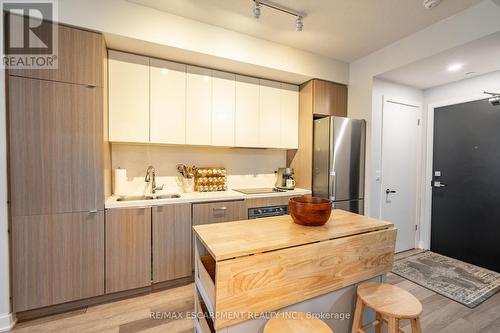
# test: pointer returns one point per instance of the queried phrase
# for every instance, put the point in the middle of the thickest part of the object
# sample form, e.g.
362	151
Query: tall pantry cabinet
56	180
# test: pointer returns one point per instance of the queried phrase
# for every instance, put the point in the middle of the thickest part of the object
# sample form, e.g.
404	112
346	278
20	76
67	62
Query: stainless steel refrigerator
339	162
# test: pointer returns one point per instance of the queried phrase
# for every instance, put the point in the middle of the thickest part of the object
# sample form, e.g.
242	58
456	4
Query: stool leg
358	316
378	328
393	325
415	326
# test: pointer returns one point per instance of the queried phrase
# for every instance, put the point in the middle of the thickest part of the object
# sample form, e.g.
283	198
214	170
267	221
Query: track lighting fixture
298	24
269	4
256	9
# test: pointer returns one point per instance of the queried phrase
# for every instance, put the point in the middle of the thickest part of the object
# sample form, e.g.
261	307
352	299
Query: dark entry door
466	207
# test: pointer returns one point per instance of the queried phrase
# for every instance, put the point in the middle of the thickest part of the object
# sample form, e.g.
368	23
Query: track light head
256	9
298	24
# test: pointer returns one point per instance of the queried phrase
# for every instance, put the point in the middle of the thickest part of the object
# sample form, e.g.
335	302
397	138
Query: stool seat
390	300
296	322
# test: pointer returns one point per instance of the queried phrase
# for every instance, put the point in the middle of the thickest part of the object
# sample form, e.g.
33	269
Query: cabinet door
172	244
55	148
198	105
168	102
57	258
79	57
270	114
247	112
289	116
215	212
223	108
329	99
128	97
128	248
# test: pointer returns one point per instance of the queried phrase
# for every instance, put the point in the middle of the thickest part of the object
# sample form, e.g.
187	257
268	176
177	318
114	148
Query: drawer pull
220	209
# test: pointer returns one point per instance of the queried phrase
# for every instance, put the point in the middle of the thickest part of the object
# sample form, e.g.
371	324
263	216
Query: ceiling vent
431	3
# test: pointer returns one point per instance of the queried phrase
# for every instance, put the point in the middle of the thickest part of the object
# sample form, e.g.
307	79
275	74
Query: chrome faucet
151	177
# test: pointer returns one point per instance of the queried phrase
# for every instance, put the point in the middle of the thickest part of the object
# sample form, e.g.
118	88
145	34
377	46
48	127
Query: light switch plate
437	173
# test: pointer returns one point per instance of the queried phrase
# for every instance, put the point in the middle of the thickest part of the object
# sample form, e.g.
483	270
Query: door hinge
416	227
418	122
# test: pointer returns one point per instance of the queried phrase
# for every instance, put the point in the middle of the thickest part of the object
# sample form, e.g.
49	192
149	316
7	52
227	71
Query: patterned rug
464	283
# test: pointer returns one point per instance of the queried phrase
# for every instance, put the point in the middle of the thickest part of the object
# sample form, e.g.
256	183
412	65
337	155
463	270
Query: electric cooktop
260	190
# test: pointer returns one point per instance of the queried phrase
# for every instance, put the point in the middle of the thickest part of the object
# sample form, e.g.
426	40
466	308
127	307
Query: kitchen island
244	269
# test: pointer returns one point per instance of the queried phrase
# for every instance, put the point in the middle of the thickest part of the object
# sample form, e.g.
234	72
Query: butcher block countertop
248	237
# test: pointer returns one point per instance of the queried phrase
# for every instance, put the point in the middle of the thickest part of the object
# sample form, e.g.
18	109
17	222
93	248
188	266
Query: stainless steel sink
148	197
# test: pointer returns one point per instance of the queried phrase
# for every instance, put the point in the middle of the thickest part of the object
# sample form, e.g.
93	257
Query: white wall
384	89
237	161
469	88
146	30
471	24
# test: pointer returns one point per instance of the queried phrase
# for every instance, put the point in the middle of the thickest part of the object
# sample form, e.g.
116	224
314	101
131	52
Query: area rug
462	282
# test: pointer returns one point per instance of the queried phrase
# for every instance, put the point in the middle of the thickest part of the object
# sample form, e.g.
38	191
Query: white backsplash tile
171	184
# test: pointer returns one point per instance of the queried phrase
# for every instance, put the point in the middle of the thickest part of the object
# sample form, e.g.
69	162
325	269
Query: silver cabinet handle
222	209
93	211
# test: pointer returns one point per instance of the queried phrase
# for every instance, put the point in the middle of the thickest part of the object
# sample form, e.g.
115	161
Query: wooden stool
295	322
387	301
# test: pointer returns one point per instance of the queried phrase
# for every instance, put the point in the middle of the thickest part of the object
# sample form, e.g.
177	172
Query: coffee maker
284	179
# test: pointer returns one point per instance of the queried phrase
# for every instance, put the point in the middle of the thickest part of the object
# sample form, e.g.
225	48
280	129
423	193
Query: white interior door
400	151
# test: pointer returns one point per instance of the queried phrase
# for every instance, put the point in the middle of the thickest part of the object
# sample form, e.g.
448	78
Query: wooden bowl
310	211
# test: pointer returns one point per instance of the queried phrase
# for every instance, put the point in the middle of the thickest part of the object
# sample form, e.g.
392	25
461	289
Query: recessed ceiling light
429	4
455	67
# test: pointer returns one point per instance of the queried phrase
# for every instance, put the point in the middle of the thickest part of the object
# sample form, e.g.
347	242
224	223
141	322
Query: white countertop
112	202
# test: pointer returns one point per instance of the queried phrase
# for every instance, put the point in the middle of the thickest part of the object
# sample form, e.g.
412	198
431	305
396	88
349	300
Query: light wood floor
440	314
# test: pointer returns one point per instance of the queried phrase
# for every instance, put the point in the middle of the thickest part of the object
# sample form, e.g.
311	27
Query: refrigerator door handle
333	174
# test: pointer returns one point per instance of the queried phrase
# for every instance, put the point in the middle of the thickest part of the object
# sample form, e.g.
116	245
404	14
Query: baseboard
6	322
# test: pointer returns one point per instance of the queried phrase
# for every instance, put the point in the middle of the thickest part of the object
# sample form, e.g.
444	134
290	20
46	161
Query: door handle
333	174
389	191
439	184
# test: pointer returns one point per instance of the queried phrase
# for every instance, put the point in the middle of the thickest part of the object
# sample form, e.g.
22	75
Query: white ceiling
340	29
479	57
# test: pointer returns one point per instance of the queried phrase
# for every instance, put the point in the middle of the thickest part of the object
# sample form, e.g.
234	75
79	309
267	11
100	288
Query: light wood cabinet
128	97
55	147
269	114
168	102
172	246
128	248
56	258
198	105
247	112
329	99
79	58
215	212
316	98
223	108
289	116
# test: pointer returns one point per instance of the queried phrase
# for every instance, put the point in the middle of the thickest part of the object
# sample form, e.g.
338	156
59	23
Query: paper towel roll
120	177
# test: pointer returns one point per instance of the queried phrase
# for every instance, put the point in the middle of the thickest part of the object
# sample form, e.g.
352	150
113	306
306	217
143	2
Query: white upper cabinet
247	112
168	102
128	97
223	108
198	105
289	116
270	114
159	101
